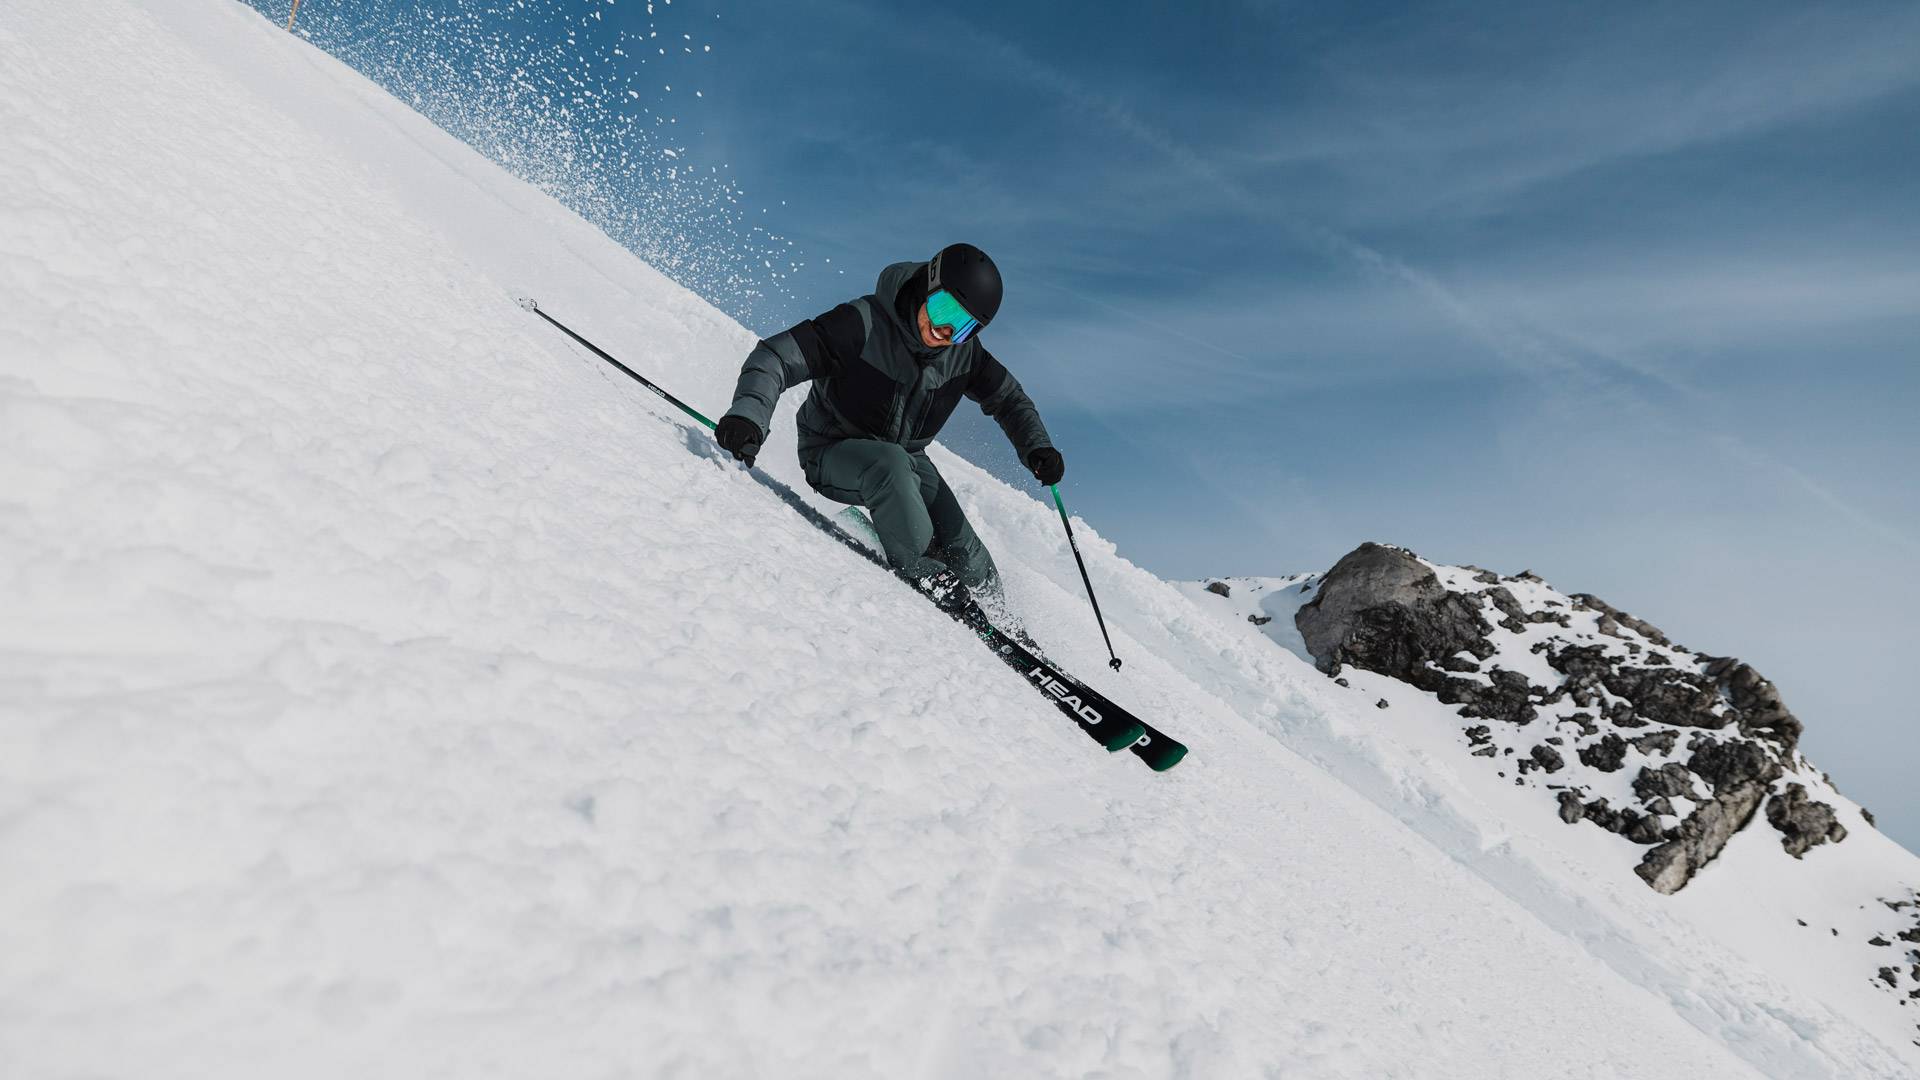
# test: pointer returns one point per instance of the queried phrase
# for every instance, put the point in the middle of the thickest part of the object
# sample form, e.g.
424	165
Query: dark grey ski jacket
873	379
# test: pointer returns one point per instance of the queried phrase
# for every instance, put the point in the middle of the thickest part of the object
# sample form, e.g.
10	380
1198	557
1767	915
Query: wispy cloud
1732	102
1412	116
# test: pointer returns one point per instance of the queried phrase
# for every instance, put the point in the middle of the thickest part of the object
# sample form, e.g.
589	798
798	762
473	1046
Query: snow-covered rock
1672	750
1614	692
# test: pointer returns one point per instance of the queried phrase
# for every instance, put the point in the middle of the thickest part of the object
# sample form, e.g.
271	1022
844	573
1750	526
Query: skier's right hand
740	437
1047	465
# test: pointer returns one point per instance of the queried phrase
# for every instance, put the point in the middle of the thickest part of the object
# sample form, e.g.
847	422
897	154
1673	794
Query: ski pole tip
1114	663
527	302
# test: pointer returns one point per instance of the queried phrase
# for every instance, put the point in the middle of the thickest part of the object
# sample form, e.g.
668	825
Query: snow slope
387	688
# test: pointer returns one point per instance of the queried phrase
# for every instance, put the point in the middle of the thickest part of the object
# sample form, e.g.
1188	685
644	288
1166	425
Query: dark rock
1642	830
1700	838
1585	721
1219	588
1478	734
1570	809
1662	695
1517	618
1507	696
1583	668
1549	759
1666	781
1341	682
1620	618
1603	815
1890	976
1503	602
1381	609
1259	620
1734	763
1878	940
1868	814
1912	935
1668	696
1762	713
1661	806
1660	742
1381	704
1486	751
1607	755
1803	823
1485	577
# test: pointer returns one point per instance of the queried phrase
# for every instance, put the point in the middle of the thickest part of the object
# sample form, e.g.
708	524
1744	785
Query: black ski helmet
967	273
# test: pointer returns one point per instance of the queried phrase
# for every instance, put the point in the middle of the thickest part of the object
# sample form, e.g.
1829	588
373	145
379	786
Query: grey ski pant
919	521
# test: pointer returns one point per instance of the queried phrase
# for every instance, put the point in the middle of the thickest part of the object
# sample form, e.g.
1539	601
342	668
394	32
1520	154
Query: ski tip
527	303
1166	754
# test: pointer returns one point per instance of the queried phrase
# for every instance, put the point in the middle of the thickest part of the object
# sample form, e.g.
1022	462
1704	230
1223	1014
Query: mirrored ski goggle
944	310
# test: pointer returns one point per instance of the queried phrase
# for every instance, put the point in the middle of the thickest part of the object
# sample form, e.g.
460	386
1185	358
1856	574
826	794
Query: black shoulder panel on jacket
831	341
989	377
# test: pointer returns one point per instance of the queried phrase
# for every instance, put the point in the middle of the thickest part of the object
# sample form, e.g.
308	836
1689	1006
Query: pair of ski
1104	722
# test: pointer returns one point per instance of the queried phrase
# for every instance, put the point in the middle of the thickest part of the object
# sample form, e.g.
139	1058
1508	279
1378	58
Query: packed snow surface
389	688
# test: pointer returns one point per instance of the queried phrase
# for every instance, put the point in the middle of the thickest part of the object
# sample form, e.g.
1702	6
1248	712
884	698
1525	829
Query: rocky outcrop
1382	609
1623	701
1762	713
1701	838
1612	619
1803	823
1672	780
1606	755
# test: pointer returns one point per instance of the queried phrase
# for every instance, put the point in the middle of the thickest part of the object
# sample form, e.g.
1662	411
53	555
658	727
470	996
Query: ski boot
945	589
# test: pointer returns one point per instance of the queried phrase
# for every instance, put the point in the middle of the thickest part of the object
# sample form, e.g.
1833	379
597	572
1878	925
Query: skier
887	370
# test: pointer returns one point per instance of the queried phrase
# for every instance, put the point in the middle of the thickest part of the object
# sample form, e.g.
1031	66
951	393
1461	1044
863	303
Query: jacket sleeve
1001	397
815	348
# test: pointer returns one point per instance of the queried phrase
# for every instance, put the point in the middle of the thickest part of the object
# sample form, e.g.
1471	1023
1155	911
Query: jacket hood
901	289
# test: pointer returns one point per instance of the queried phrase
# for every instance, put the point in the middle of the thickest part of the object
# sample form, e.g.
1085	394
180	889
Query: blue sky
1627	295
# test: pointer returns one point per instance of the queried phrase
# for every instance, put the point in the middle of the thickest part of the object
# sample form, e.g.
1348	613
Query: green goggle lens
944	310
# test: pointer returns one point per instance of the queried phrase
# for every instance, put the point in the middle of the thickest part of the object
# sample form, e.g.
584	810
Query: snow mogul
887	370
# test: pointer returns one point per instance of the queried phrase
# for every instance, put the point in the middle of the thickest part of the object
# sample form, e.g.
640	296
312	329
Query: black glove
1047	465
738	435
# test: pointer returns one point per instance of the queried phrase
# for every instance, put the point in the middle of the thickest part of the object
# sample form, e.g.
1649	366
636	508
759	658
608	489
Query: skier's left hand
1047	465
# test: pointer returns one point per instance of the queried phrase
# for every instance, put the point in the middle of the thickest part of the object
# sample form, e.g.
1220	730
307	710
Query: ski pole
533	305
1114	663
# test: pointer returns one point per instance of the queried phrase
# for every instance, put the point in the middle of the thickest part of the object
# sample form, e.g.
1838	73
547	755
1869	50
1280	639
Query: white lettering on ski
1088	714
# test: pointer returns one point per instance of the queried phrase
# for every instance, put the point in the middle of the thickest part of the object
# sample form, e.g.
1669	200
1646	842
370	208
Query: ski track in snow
389	688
